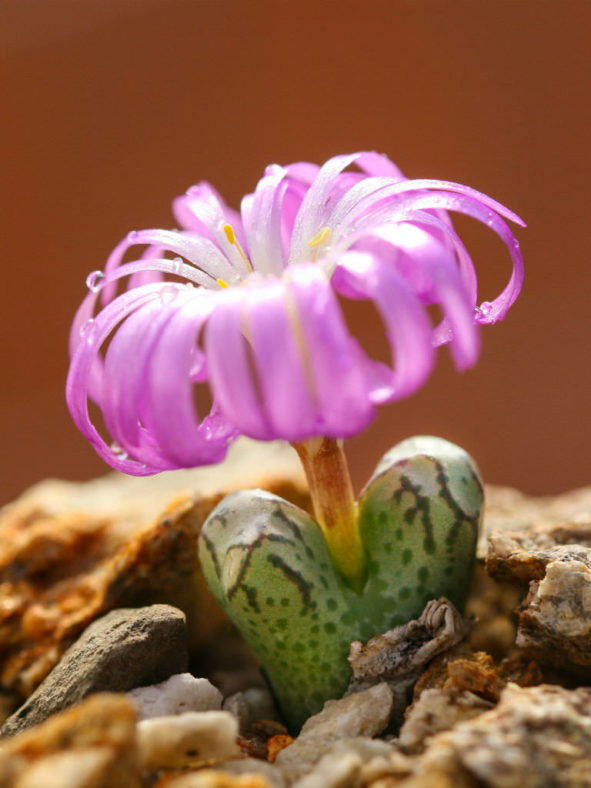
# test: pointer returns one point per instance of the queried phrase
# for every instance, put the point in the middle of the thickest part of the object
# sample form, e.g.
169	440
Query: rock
507	509
84	768
555	622
438	710
475	673
116	653
187	739
538	736
351	762
70	552
178	694
241	773
399	656
364	713
555	617
250	706
89	746
209	778
491	605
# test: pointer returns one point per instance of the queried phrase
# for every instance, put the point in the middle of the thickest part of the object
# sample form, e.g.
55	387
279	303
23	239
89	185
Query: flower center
321	237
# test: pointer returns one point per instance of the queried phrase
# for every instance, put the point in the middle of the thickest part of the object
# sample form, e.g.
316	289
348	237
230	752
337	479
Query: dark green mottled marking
251	596
330	627
404	592
423	573
252	547
212	552
295	577
406	556
331	604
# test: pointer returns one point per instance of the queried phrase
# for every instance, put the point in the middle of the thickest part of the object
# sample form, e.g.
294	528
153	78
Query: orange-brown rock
92	745
71	552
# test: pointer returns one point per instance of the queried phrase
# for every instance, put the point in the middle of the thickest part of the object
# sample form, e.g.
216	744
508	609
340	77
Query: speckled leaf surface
267	563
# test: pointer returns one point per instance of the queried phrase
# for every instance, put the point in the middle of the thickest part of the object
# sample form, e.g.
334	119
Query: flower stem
334	505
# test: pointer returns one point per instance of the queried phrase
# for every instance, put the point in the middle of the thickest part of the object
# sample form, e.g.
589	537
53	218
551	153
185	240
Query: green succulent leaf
267	563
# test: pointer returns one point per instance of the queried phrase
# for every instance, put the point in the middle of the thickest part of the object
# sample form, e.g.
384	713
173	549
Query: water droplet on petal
132	236
118	451
168	294
88	329
485	308
177	265
491	219
94	281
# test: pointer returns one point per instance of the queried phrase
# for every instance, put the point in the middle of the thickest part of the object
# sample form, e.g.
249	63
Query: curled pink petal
245	304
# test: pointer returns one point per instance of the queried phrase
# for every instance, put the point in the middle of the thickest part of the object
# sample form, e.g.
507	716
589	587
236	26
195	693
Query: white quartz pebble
187	738
178	694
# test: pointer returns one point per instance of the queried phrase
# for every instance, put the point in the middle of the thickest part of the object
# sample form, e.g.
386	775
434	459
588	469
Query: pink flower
257	316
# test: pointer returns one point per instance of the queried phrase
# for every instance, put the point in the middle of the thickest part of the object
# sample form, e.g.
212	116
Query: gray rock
365	713
251	705
124	649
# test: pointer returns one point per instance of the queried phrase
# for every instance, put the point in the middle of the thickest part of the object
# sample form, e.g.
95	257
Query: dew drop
94	281
132	236
491	219
88	329
118	451
168	294
485	308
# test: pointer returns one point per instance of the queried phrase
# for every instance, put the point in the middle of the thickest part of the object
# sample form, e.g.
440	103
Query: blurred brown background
113	107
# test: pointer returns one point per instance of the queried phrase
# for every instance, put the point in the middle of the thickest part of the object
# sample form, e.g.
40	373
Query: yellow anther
231	236
222	283
321	237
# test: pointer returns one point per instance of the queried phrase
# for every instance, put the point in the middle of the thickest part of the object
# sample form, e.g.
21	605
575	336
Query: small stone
364	713
91	745
210	778
475	673
399	656
241	773
350	762
251	705
438	710
187	739
538	736
116	653
178	694
89	768
333	771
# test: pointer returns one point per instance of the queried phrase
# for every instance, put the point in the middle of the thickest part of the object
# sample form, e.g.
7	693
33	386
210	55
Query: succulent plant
268	565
